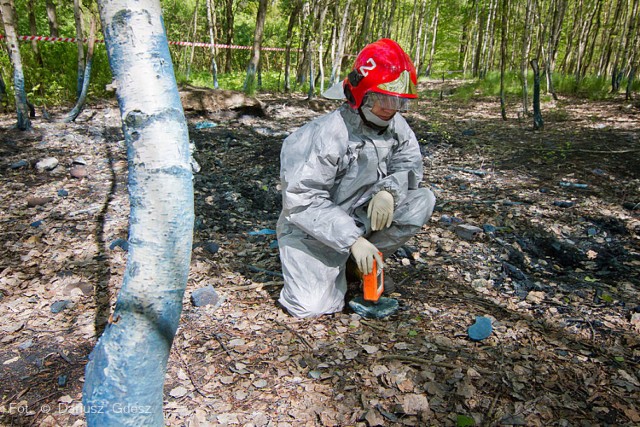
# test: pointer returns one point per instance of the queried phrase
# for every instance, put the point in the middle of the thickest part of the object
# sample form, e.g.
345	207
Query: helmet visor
390	102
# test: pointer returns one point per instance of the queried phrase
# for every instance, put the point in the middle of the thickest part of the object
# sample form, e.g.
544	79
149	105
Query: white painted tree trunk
7	11
125	375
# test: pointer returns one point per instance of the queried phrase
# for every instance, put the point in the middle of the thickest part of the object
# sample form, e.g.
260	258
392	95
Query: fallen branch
304	341
421	361
262	270
248	287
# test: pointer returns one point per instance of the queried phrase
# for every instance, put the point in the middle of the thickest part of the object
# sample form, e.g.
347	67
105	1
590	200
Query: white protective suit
330	169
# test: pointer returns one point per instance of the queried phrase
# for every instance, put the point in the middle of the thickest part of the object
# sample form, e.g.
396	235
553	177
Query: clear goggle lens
389	102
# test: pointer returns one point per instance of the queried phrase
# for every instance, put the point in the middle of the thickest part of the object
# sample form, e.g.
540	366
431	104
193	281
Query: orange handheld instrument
373	283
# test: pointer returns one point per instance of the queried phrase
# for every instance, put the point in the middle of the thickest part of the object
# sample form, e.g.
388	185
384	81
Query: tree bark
434	28
125	374
229	28
503	58
8	12
632	75
526	45
559	8
479	41
320	29
3	91
77	109
211	23
33	29
297	7
250	82
365	37
52	18
77	14
337	59
538	123
193	39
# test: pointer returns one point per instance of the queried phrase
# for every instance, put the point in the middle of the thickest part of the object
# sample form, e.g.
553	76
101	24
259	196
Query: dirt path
556	268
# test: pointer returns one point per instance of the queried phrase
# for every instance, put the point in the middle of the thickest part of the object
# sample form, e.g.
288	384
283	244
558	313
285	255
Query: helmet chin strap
372	120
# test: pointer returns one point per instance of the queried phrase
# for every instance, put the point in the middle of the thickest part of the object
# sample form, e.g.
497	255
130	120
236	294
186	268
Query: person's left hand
380	210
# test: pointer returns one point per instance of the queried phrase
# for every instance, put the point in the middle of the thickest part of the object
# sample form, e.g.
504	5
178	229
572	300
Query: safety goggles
389	102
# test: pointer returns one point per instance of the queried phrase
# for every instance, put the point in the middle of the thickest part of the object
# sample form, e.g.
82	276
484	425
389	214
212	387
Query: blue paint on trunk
125	375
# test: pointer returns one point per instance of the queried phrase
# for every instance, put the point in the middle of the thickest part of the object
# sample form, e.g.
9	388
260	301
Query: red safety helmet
381	67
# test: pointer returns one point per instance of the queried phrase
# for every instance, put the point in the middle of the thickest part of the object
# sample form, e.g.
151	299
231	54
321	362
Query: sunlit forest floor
554	263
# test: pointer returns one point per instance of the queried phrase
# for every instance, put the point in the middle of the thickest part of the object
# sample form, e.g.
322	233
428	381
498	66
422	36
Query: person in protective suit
351	183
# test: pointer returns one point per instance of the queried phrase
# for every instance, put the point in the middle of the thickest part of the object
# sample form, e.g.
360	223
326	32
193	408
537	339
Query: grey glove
380	210
364	253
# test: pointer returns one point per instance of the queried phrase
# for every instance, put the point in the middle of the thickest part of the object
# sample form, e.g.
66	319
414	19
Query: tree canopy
591	45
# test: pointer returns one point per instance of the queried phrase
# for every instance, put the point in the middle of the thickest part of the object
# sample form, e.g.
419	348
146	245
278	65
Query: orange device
373	283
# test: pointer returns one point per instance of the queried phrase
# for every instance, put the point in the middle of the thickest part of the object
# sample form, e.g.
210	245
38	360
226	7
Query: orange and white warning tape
196	44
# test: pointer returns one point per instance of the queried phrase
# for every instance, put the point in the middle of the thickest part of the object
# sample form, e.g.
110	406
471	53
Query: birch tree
8	12
125	374
77	109
526	46
77	14
503	57
342	36
295	11
211	23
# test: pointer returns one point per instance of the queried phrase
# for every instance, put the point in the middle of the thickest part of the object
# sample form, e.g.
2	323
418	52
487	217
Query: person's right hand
364	253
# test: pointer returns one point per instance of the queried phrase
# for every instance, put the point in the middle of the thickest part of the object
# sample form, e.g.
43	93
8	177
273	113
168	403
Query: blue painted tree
125	374
8	12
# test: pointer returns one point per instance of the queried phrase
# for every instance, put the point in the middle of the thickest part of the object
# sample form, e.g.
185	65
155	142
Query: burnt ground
556	268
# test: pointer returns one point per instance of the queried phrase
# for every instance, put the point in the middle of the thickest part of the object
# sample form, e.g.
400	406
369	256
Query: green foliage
558	154
54	83
591	87
465	421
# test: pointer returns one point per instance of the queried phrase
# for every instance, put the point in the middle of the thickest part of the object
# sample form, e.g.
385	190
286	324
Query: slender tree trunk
311	46
320	30
211	23
3	91
559	9
77	109
229	28
491	30
632	75
52	18
305	27
193	38
434	28
365	37
571	36
33	29
592	37
126	370
503	58
538	123
77	13
417	58
337	59
392	11
464	42
250	82
480	42
628	53
526	46
8	12
608	37
297	7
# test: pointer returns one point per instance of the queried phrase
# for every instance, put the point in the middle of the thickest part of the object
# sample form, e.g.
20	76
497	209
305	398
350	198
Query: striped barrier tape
196	44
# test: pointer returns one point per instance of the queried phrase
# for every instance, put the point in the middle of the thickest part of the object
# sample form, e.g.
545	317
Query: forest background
584	47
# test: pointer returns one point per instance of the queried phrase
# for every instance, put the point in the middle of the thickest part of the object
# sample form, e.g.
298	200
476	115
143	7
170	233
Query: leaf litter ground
554	263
